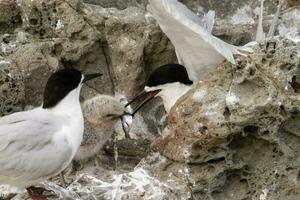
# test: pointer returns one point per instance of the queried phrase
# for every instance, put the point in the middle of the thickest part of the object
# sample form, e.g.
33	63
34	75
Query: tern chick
38	144
101	113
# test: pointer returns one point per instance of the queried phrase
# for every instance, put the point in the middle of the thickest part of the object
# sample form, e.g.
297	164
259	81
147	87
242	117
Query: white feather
170	93
260	35
196	48
209	21
274	21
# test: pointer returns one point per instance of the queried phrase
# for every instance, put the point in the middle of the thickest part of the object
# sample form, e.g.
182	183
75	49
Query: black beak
141	99
90	77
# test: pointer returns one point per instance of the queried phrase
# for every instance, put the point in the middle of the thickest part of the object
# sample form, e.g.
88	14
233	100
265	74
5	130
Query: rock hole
213	150
216	160
42	32
251	129
289	168
251	72
286	67
298	176
6	39
264	60
265	133
203	129
33	21
269	55
35	10
293	55
227	113
295	85
272	51
271	44
243	181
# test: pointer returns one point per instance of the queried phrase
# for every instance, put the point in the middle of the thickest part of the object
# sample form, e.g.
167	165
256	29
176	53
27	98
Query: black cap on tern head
60	84
169	73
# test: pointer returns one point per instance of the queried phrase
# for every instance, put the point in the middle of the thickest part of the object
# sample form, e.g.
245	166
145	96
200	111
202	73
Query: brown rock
238	125
293	2
9	10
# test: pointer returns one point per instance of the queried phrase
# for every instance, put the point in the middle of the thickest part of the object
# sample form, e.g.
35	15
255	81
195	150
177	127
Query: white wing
209	21
27	150
260	35
275	21
195	47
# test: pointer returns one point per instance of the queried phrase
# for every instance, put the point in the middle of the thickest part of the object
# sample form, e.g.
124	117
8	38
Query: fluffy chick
101	114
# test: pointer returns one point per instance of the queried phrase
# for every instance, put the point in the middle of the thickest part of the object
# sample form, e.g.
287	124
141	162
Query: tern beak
88	77
141	99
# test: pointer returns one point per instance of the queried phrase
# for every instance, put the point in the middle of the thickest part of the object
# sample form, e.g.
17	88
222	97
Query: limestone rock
133	46
234	136
36	64
11	88
239	124
9	11
117	3
293	2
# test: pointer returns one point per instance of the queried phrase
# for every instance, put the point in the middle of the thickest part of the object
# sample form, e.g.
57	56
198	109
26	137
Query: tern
38	144
198	51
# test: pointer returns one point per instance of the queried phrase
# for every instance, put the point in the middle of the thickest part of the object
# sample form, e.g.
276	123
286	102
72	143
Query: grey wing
27	149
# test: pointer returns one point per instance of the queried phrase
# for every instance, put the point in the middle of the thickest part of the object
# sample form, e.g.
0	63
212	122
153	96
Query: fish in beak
136	103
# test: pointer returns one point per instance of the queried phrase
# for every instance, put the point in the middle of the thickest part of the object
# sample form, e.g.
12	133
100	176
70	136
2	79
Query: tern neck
170	93
69	105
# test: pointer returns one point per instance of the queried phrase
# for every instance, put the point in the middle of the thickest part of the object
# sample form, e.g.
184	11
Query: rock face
233	136
238	130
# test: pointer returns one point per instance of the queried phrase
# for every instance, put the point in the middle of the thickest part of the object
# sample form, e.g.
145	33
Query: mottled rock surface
234	136
237	131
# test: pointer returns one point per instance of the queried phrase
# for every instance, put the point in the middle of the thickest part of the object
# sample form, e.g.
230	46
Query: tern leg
36	193
62	180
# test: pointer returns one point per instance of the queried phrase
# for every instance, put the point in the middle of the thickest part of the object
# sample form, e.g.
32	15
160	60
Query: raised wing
260	34
28	151
209	21
195	46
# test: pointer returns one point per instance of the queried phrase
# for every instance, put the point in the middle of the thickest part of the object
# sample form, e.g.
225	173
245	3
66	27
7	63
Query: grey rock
9	15
133	46
11	88
236	127
36	65
9	10
118	3
233	136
